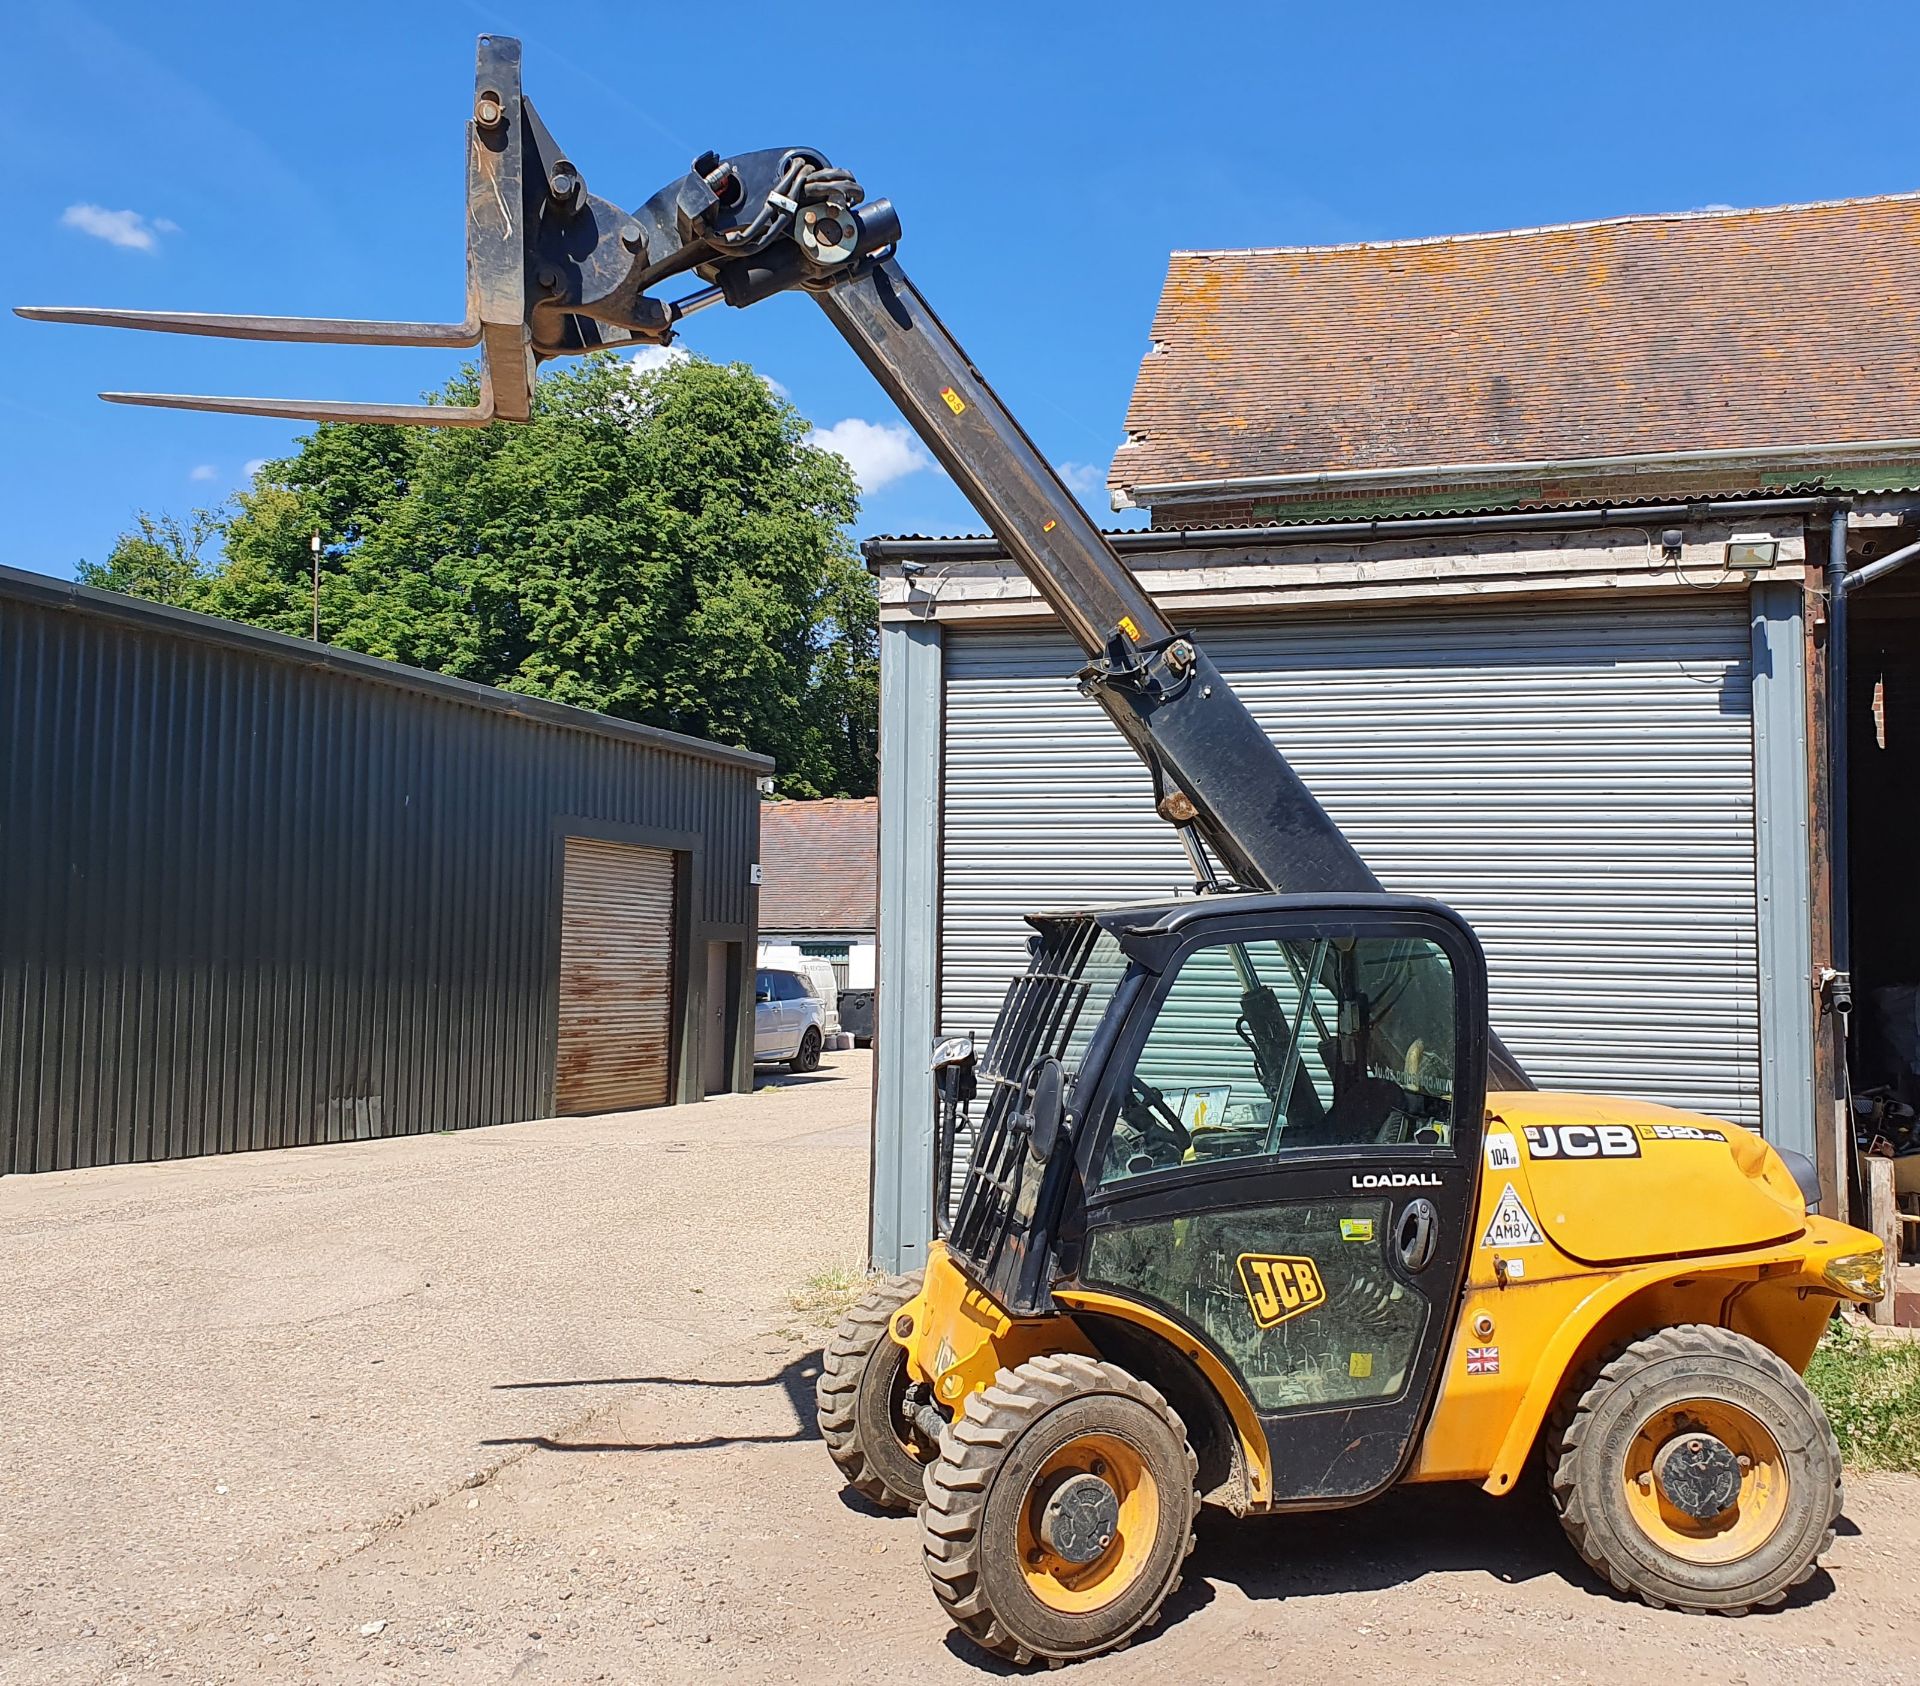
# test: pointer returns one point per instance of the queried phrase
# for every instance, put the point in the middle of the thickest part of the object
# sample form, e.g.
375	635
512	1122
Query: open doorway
1883	855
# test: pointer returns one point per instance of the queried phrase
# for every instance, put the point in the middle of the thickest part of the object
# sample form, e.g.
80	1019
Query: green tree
160	558
663	546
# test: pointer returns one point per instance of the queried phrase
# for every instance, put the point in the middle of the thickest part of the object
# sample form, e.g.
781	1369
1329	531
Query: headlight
1863	1275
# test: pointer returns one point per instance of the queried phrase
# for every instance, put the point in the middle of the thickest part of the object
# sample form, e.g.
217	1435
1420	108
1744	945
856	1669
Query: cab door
1284	1160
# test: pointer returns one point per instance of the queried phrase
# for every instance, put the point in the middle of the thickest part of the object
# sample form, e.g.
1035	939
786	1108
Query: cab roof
1164	916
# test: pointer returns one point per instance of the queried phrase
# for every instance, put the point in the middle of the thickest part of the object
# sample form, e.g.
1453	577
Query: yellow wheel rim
1075	1588
1757	1509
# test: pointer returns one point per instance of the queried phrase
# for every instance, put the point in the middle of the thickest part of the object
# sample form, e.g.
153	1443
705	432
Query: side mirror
1046	1109
760	995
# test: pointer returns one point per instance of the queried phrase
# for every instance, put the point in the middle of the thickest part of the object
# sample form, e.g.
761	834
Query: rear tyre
1697	1471
863	1398
807	1057
1059	1510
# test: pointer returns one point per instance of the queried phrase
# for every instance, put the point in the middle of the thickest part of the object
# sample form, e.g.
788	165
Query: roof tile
819	865
1701	331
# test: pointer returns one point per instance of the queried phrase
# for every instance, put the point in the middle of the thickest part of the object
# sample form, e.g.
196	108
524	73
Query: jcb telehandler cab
1261	1210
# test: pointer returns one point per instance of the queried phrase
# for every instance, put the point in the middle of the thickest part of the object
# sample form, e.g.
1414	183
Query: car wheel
808	1056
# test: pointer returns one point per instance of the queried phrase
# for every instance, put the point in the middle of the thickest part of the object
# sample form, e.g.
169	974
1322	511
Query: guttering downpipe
1839	890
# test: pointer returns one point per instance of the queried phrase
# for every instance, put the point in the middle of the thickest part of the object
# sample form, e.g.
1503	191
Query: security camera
911	570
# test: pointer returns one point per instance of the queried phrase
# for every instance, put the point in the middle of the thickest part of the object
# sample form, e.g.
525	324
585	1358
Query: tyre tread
1572	1423
836	1393
971	1448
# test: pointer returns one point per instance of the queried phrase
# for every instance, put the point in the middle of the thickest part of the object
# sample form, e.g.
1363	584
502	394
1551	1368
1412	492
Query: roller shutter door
616	978
1577	780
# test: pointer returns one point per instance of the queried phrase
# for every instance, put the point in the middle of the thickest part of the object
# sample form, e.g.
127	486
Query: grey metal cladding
249	898
1577	779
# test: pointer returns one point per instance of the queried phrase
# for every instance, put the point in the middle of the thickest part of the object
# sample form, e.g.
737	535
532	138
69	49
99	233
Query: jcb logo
1582	1141
1280	1287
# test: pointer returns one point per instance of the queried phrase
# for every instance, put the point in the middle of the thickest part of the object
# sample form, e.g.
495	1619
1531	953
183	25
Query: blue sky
1045	159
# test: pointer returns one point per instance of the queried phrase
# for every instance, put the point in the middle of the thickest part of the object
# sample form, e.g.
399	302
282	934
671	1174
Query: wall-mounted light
1670	542
1752	553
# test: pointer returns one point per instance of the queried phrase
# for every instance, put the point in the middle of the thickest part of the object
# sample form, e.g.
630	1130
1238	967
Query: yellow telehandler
1261	1211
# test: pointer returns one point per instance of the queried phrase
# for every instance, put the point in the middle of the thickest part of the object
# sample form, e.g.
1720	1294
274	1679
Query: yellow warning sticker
1130	627
1048	526
1356	1229
1360	1365
955	402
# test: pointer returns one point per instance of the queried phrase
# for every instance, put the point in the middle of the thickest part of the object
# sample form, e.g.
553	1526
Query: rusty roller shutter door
616	978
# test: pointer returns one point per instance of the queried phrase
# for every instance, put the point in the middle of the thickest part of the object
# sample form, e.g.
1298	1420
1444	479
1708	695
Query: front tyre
864	1400
1698	1472
1059	1510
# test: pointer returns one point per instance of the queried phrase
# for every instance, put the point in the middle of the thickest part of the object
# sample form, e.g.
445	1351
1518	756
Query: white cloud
1716	207
1081	477
879	453
118	228
205	471
651	357
774	386
253	465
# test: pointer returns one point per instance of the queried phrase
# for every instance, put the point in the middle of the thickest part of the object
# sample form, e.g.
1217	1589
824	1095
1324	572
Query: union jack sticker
1483	1361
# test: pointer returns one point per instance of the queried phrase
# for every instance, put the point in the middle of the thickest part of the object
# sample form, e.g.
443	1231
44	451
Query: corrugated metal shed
257	892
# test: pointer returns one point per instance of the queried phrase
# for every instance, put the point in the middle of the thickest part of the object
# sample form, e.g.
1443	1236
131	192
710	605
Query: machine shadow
795	1379
1402	1537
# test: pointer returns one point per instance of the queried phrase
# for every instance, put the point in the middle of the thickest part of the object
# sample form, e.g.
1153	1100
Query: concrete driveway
223	1376
533	1404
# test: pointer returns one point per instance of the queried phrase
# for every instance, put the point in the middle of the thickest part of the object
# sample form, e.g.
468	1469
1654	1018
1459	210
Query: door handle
1417	1235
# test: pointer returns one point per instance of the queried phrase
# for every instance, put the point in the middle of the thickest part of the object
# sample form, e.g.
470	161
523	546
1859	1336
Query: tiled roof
819	865
1696	332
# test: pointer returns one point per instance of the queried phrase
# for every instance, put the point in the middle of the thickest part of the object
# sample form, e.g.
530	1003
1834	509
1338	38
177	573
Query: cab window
1284	1046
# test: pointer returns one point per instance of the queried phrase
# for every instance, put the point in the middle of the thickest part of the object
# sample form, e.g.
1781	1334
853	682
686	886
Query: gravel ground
531	1403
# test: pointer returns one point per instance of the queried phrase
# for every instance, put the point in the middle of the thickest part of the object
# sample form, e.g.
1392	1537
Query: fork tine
318	410
331	330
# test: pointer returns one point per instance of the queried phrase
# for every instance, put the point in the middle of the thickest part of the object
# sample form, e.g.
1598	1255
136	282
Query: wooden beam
1884	1220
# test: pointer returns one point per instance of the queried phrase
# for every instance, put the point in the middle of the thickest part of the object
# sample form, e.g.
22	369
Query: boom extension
554	271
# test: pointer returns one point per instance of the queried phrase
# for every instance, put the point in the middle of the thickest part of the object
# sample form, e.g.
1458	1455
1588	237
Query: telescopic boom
553	271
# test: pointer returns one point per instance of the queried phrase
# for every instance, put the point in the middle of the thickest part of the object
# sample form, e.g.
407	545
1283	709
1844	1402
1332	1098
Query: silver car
789	1022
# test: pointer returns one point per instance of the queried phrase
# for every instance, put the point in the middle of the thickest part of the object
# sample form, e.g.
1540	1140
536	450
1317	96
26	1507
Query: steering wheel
1154	1115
